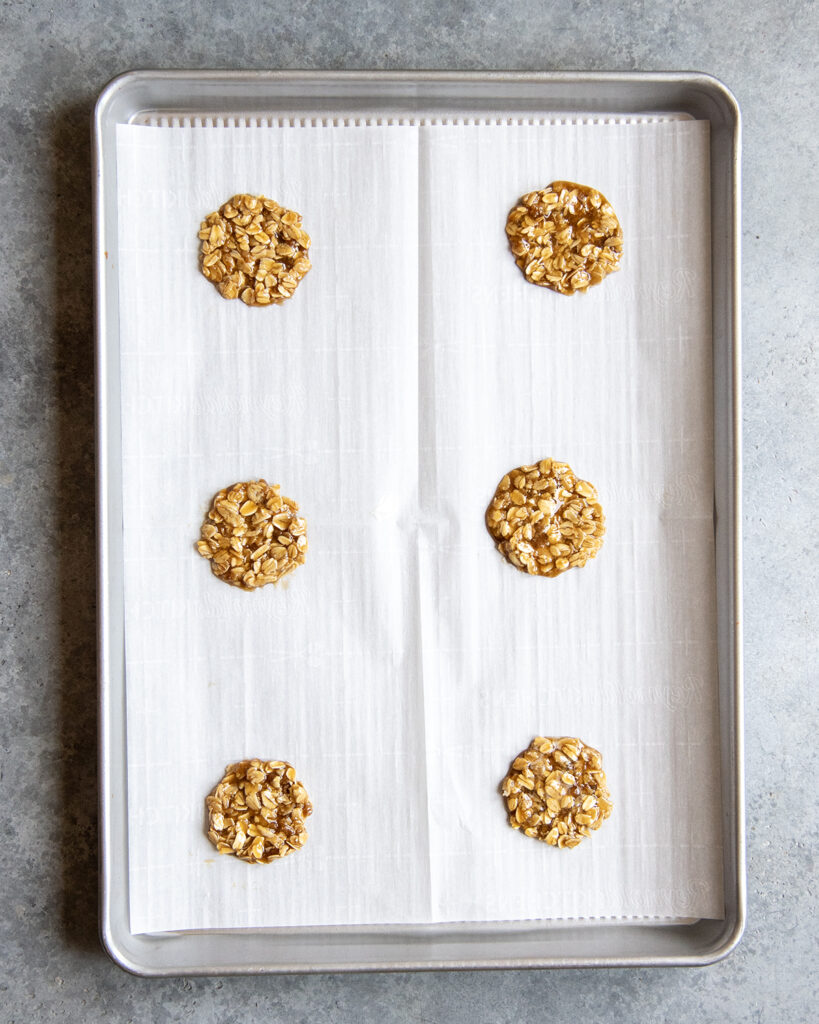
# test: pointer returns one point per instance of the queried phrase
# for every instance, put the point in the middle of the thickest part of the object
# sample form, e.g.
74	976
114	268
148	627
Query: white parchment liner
405	664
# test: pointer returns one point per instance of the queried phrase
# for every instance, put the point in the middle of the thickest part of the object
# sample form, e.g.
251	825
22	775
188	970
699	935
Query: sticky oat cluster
254	249
565	237
545	520
252	535
556	791
257	811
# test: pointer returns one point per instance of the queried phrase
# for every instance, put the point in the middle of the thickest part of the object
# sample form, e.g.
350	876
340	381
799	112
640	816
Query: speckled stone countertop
55	58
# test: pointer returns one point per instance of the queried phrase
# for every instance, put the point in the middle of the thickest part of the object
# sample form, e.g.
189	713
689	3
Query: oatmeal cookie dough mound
253	535
565	237
254	250
257	811
556	791
545	520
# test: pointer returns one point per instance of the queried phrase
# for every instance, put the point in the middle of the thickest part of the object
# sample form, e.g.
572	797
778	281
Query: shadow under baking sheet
73	507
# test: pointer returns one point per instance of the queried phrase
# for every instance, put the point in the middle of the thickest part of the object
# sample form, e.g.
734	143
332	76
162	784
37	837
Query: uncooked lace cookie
253	535
545	520
565	237
254	250
556	791
257	811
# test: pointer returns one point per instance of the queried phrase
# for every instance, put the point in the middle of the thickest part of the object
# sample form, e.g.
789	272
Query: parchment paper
404	666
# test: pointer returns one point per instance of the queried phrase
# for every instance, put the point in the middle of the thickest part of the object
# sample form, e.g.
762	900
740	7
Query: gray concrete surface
55	57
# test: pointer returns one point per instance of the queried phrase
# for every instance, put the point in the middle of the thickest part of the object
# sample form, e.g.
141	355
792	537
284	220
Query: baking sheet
405	664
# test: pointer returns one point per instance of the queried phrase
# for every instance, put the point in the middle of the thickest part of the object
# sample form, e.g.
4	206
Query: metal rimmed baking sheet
155	95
